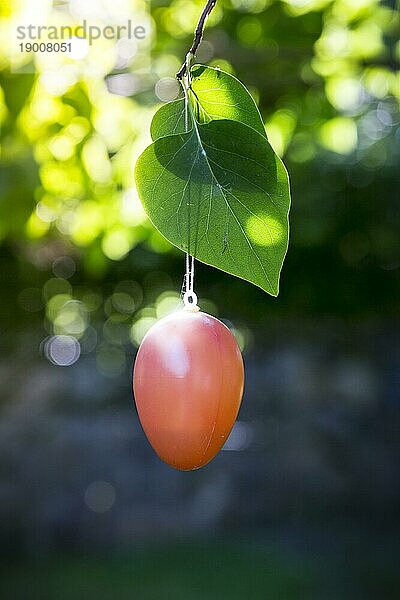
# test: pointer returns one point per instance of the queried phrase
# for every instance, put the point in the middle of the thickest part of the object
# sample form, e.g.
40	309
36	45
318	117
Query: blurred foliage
76	247
183	572
212	570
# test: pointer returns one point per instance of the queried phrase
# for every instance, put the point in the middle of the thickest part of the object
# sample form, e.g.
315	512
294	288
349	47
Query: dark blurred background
303	501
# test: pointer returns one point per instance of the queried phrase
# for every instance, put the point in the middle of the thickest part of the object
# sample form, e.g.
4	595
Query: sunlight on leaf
264	230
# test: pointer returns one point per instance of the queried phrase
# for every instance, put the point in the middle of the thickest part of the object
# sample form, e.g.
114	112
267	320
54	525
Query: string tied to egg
189	296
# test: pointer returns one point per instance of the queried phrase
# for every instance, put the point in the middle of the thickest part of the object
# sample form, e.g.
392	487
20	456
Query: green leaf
220	193
168	120
213	95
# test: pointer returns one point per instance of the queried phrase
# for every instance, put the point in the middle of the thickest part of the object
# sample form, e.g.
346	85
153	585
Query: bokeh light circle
62	350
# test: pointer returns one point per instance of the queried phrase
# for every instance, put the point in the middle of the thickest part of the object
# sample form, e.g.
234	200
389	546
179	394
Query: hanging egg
188	384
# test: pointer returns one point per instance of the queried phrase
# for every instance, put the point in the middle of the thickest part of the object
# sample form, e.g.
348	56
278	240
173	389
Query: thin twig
198	35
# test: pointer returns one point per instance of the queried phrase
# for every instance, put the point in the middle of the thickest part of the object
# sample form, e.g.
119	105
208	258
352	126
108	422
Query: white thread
186	100
189	296
192	275
190	301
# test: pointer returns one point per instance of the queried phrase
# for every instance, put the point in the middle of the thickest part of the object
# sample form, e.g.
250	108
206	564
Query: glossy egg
188	384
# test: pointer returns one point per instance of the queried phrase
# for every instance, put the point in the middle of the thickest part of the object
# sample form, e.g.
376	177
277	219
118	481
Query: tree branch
198	35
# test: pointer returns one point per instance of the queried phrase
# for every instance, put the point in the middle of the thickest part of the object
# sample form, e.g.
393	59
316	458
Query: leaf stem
198	35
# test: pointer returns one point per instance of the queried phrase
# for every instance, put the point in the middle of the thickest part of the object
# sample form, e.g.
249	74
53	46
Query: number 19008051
45	47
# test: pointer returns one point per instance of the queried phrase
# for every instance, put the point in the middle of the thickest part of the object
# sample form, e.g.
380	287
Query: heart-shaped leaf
220	193
213	95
